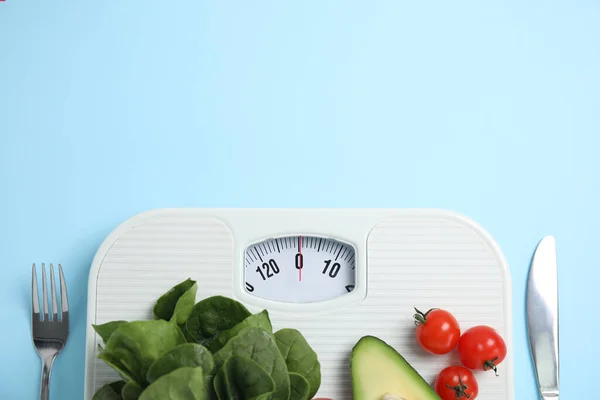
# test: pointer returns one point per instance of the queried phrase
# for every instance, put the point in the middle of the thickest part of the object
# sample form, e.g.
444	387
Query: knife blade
542	317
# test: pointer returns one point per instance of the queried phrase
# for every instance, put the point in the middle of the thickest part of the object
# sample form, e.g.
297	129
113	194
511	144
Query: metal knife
542	317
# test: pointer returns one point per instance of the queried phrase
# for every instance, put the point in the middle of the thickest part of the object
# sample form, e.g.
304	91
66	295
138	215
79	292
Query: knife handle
550	396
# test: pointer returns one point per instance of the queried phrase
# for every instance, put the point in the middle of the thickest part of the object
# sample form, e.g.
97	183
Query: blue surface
108	109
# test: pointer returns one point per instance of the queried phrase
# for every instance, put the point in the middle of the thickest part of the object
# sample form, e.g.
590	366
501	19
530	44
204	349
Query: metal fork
49	334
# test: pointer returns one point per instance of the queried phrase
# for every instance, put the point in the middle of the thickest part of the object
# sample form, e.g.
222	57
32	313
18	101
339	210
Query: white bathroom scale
334	274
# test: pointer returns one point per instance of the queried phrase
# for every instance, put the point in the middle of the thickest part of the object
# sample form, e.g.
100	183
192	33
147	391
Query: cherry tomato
481	348
437	331
456	382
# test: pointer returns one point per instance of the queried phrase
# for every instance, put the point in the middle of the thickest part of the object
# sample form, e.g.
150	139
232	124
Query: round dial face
300	269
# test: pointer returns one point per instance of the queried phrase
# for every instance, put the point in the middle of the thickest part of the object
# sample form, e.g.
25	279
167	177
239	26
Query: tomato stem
490	364
460	389
420	317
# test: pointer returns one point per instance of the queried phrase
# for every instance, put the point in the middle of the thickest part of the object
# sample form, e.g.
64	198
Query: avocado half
379	372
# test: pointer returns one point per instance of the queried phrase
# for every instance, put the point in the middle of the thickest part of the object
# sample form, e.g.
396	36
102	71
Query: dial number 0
299	261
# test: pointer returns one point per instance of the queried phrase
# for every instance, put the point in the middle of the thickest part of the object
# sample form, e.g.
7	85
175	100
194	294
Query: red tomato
481	348
438	331
456	382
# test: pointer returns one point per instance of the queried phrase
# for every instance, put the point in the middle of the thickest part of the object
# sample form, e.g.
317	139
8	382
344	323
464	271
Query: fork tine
64	301
35	300
44	293
53	294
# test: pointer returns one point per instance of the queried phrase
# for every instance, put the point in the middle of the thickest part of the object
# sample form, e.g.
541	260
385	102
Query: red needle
301	261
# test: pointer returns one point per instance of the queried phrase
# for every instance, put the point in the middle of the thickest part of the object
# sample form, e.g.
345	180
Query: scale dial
300	269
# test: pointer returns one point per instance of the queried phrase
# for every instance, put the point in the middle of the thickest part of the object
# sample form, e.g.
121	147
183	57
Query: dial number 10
333	271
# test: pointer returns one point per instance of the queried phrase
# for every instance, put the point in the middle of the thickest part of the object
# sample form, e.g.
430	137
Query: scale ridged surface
149	259
412	261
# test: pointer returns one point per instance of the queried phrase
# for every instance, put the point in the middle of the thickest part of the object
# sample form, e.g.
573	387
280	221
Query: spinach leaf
177	303
259	345
110	391
136	345
186	383
188	335
213	315
115	364
260	320
107	329
299	357
184	355
131	391
299	387
242	378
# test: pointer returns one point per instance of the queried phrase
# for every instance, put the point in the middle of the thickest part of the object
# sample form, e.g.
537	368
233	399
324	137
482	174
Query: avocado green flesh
378	372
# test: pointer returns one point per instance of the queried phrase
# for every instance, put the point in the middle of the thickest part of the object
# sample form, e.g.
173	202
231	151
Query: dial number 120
271	269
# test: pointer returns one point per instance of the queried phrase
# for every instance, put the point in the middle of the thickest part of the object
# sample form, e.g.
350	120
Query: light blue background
108	109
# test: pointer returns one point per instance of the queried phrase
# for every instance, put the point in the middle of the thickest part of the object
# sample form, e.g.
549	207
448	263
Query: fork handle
45	386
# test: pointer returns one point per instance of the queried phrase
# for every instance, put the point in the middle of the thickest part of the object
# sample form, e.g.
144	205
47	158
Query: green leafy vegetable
213	350
107	329
299	386
299	357
110	391
136	345
212	316
188	335
260	346
186	383
131	391
177	303
184	355
242	378
260	320
113	362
